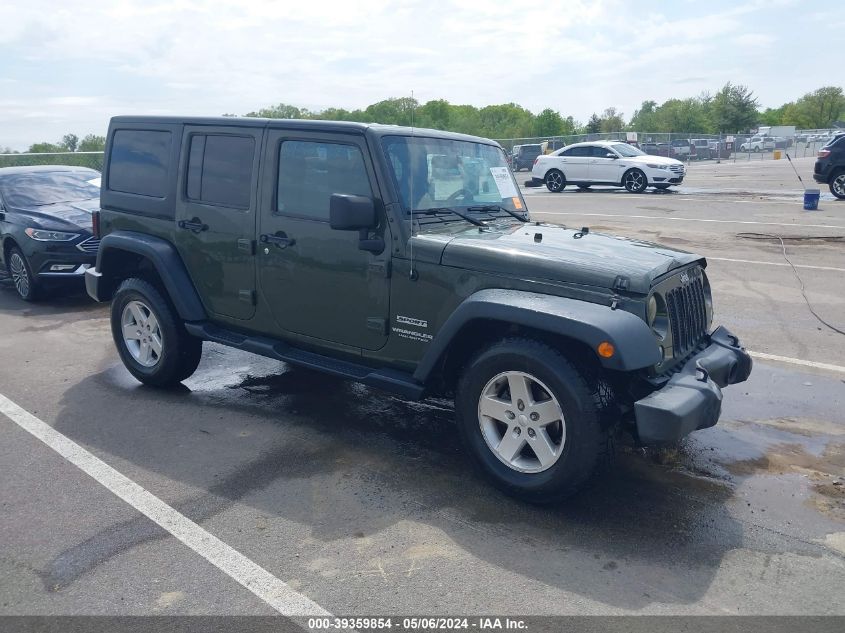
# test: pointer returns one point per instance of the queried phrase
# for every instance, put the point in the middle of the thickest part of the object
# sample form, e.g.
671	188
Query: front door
602	168
215	213
316	281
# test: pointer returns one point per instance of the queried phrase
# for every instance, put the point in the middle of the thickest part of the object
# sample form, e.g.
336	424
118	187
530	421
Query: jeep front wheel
149	336
530	419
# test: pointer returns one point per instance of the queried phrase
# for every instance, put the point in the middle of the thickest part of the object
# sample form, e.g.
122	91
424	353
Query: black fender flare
590	323
167	263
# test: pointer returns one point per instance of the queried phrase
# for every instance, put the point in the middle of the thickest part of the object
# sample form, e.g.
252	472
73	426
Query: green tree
733	109
549	123
645	118
46	148
280	111
70	142
681	116
92	143
612	121
435	114
593	124
818	109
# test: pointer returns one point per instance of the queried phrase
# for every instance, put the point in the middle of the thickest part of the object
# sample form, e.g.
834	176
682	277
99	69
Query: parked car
758	144
680	148
45	225
700	149
830	166
524	155
336	247
611	163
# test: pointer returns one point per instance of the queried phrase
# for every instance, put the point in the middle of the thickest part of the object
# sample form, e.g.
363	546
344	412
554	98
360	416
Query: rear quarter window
139	162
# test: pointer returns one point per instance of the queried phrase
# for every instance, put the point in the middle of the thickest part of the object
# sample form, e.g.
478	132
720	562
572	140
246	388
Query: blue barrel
811	199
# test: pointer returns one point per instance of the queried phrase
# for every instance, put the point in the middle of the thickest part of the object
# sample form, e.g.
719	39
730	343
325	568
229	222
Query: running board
390	380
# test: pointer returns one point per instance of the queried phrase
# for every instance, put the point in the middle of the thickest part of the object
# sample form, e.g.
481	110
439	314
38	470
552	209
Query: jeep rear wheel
555	181
837	185
530	419
150	338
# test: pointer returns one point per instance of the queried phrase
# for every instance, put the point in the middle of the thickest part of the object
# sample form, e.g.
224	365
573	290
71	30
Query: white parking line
798	361
752	261
664	217
258	580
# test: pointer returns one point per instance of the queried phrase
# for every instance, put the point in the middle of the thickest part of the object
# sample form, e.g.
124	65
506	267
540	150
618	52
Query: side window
578	151
600	152
139	162
311	171
220	170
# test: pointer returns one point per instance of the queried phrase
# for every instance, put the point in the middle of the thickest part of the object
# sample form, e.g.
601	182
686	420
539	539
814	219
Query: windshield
623	149
432	173
41	188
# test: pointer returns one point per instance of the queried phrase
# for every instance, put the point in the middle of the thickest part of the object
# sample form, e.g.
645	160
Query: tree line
733	109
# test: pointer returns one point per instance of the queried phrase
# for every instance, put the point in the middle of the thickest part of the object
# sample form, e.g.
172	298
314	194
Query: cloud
79	62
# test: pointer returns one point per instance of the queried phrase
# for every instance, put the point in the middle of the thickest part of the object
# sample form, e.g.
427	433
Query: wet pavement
367	504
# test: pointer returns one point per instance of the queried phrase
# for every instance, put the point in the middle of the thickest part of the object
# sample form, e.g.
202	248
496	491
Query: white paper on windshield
504	182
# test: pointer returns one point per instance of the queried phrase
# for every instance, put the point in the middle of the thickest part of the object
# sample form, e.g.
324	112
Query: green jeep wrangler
404	259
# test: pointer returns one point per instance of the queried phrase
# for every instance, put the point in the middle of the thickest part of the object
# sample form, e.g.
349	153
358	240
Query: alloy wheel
635	181
20	275
837	187
554	181
521	422
141	333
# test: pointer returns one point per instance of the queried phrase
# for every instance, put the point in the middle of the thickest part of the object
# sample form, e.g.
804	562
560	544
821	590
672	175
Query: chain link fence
694	146
94	160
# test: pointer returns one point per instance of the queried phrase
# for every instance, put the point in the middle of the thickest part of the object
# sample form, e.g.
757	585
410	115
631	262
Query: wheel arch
124	254
577	326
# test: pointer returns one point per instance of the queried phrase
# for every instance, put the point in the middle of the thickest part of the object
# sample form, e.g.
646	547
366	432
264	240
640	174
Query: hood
593	260
61	216
654	160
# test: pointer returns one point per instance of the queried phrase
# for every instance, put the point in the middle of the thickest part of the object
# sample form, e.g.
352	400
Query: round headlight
652	310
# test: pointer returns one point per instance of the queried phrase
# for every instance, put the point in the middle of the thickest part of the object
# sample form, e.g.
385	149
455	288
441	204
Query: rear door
216	211
575	163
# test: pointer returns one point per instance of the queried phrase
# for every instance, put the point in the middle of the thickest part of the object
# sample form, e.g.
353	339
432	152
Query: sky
69	65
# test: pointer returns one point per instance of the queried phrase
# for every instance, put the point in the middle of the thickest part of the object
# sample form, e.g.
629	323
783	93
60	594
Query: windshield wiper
460	214
498	207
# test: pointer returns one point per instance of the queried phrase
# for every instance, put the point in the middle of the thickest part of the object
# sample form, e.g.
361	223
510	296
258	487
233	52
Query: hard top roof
348	127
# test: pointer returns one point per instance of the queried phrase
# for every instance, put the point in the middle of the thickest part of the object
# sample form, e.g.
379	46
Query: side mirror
610	155
351	213
355	213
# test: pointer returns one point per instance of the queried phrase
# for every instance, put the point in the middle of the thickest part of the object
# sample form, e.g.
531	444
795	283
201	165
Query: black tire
23	279
837	185
583	187
587	438
661	187
180	352
635	181
555	180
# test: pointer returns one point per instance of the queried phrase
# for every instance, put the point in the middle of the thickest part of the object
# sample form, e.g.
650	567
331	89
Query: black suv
524	155
405	259
830	166
45	225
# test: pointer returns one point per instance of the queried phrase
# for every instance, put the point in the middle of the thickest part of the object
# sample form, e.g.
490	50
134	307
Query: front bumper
692	398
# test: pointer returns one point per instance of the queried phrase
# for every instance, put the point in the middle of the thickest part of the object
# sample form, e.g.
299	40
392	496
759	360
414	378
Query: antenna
412	274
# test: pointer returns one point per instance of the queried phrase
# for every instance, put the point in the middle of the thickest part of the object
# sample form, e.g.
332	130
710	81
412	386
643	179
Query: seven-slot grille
687	315
89	246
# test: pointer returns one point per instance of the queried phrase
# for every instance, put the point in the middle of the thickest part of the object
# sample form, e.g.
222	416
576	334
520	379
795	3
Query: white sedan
612	163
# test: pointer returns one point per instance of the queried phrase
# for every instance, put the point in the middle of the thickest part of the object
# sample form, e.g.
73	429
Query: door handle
194	224
280	239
